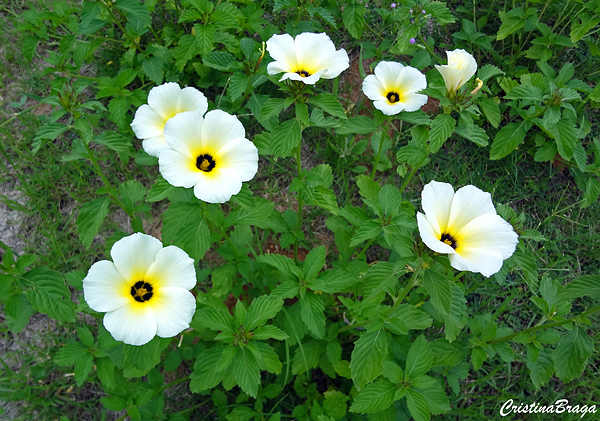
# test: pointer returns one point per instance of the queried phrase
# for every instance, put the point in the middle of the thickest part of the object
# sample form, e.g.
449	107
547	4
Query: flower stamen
141	291
449	239
205	162
392	97
303	73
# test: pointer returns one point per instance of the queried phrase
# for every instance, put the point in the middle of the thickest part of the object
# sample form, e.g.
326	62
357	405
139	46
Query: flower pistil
141	291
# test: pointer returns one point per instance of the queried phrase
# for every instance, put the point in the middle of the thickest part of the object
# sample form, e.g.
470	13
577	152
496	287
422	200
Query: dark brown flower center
205	163
141	291
303	73
450	240
393	97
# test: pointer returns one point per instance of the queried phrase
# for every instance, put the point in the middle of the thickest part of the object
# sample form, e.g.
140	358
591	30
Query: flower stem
542	327
412	173
378	156
300	204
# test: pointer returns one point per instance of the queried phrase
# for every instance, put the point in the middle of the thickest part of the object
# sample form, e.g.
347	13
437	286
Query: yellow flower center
449	239
205	162
393	97
141	291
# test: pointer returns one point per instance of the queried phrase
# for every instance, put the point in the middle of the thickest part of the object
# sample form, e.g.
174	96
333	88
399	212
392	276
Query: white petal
413	102
486	262
388	109
464	63
191	99
431	237
373	89
104	287
488	232
387	73
220	128
410	80
154	145
173	311
134	255
163	99
241	156
283	50
183	133
276	67
219	186
338	62
177	169
468	203
132	324
147	123
310	80
313	51
172	268
436	200
449	76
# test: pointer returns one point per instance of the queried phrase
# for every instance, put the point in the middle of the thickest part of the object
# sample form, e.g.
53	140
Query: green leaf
488	71
206	375
314	262
262	309
135	11
47	132
119	111
194	238
261	209
273	107
29	46
417	405
369	351
374	397
114	403
270	332
67	355
113	140
312	312
565	135
83	366
367	231
508	138
526	92
441	130
456	318
159	190
219	60
131	192
246	372
584	286
491	111
511	22
90	218
333	281
419	358
153	68
438	287
354	19
581	25
204	38
473	133
358	125
49	294
215	319
328	103
184	51
139	360
17	311
541	367
571	354
592	190
285	137
283	263
440	11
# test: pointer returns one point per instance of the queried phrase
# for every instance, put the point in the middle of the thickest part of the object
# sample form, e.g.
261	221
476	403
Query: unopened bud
423	11
393	5
412	40
479	86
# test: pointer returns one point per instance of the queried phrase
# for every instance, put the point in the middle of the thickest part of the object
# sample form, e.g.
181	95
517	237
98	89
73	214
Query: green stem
542	327
116	22
220	230
412	173
300	203
428	48
19	113
378	156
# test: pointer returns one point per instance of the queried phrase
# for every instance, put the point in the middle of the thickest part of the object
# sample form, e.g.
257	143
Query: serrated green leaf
328	103
584	286
511	22
206	375
565	136
354	19
113	140
491	111
438	287
571	354
541	367
90	218
592	190
67	355
417	405
83	366
419	358
525	92
314	262
374	397
473	133
184	51
508	138
312	312
285	137
488	71
270	332
441	130
262	309
358	125
369	351
194	238
455	320
581	25
246	372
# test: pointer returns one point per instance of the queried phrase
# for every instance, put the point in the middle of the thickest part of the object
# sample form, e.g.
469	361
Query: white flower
465	226
393	88
308	58
164	102
210	154
460	68
144	290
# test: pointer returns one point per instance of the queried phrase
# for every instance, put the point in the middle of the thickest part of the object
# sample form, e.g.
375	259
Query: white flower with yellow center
164	102
460	68
307	58
393	88
210	154
465	226
144	290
